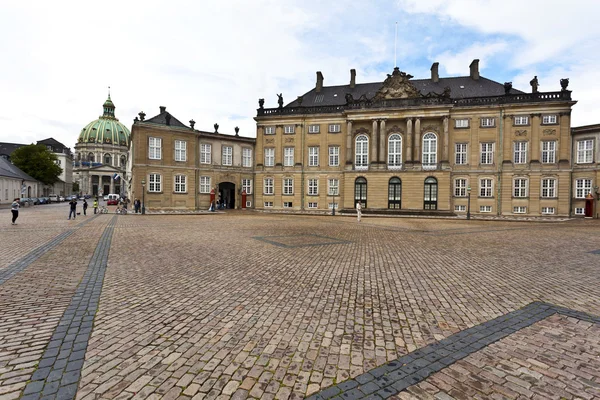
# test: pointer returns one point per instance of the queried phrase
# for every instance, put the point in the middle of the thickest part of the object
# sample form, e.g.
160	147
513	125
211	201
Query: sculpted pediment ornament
397	86
362	130
430	128
548	132
395	129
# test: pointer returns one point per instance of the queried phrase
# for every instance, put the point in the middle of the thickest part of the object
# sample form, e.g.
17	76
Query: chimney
162	109
435	76
474	67
319	82
352	78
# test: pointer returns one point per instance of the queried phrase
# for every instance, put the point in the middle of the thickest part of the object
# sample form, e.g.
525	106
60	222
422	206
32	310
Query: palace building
439	145
586	170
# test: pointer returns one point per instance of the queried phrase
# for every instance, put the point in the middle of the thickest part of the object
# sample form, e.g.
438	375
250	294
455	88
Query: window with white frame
268	186
520	187
269	130
549	119
269	157
485	188
180	150
519	210
333	187
288	129
461	123
487	122
521	120
585	151
582	188
312	204
487	153
485	209
247	185
333	205
520	153
460	187
205	153
362	151
288	186
154	183
335	128
460	208
288	157
227	155
205	184
313	187
547	210
268	204
287	204
549	151
154	148
460	153
314	128
429	150
395	151
579	211
334	156
549	187
180	184
246	157
313	156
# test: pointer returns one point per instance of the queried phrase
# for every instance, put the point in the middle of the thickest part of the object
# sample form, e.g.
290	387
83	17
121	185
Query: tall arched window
429	151
360	192
395	193
91	157
107	159
361	152
430	194
395	151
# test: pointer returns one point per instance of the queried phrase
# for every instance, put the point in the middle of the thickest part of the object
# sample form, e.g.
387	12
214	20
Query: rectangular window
335	128
154	183
312	205
549	152
460	153
268	186
313	187
582	188
488	122
460	187
268	204
334	156
180	186
580	211
246	157
485	209
287	204
313	156
547	210
520	187
333	187
154	148
248	204
548	187
226	155
247	185
461	123
521	120
333	205
314	129
269	157
180	150
549	119
585	151
289	129
288	157
519	210
460	208
288	186
269	130
485	188
205	153
205	184
487	153
520	153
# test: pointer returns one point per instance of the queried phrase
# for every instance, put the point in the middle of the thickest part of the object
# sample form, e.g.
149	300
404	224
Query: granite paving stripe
396	376
58	372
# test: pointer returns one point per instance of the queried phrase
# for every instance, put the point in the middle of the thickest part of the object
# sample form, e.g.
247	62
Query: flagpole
396	46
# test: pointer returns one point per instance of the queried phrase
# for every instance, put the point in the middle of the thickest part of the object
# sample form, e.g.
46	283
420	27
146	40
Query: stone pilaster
382	142
349	152
445	154
409	139
417	138
374	137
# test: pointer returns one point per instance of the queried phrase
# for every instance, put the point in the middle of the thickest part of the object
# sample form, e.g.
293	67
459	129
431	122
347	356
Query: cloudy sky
210	60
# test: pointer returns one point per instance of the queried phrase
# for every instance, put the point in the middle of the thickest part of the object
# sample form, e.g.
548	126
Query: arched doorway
360	192
430	195
227	194
395	193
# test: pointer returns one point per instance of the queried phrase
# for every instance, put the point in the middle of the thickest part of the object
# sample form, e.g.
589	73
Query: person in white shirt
14	207
358	211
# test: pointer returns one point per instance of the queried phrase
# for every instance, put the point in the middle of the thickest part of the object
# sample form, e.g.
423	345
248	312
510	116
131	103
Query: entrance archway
227	194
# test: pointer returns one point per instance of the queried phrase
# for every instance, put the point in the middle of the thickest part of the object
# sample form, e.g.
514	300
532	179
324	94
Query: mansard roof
164	117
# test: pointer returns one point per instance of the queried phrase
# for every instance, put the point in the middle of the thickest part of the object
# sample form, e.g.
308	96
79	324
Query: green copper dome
107	129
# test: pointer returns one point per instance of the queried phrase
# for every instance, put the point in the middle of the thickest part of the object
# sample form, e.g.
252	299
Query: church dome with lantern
107	129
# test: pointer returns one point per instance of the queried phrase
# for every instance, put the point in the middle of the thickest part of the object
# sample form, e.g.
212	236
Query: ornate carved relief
270	140
430	128
548	132
395	129
522	132
397	86
289	140
362	130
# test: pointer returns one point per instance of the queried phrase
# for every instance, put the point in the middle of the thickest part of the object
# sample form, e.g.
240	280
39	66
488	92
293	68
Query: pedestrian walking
358	211
136	205
73	208
85	206
95	205
14	208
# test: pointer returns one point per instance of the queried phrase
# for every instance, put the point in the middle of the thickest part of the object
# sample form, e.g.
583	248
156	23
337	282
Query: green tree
38	162
75	187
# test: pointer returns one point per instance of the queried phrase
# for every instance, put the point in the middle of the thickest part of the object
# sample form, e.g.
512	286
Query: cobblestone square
273	306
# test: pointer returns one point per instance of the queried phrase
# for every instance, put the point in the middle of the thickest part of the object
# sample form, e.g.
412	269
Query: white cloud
458	63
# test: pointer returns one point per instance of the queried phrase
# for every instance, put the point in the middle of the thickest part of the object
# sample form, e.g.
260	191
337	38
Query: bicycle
103	210
121	210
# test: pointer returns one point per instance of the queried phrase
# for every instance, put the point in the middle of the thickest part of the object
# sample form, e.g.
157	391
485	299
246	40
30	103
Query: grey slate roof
57	147
6	149
161	119
9	170
461	87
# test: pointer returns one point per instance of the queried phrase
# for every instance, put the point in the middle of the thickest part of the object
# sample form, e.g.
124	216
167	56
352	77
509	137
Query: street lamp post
333	205
597	199
143	196
469	202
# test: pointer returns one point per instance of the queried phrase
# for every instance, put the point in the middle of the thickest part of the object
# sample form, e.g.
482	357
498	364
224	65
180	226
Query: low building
174	166
64	159
16	183
586	170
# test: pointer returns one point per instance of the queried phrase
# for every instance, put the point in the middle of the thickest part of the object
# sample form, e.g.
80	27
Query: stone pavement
253	305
